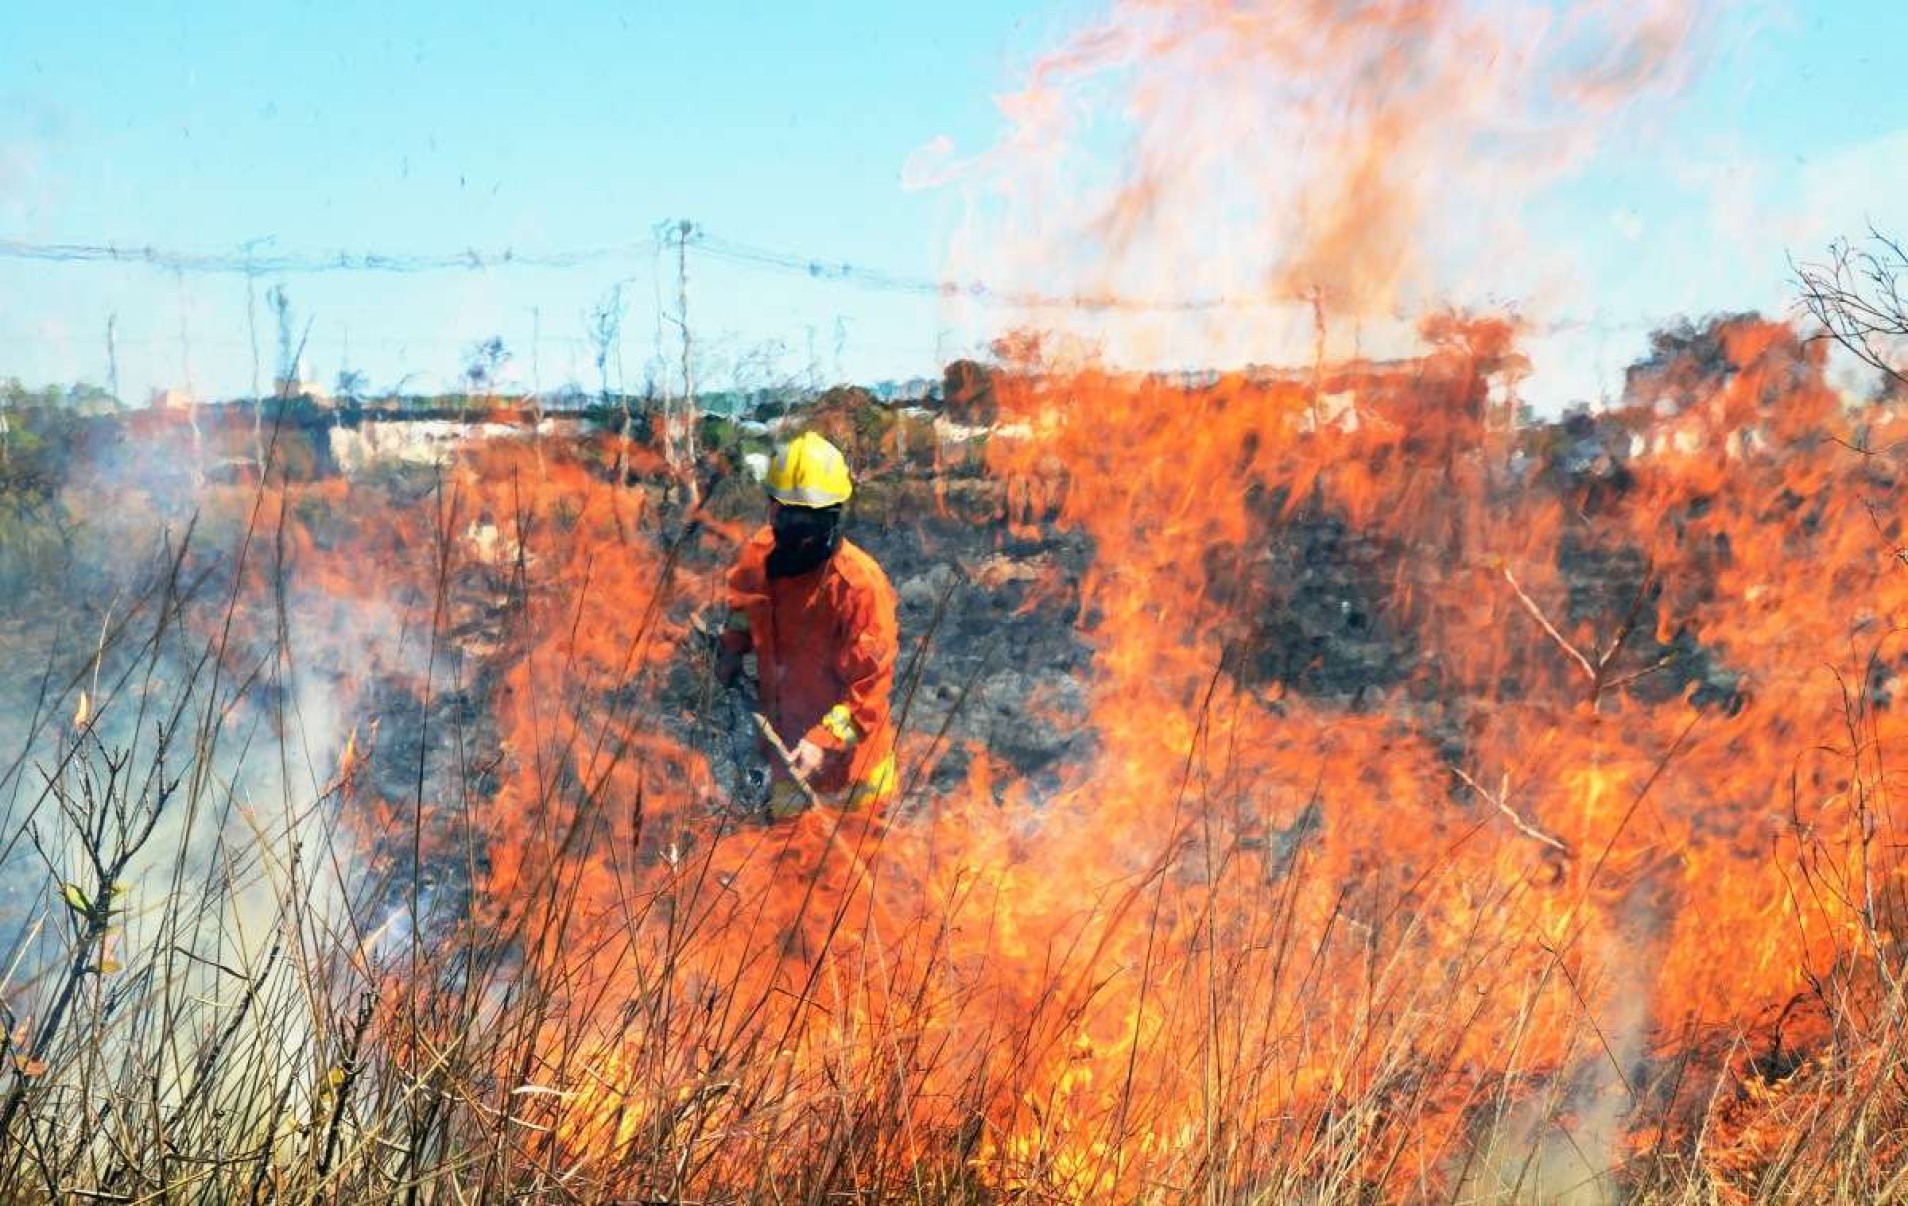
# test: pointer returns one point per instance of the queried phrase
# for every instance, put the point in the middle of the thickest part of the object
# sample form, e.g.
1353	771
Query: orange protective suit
825	645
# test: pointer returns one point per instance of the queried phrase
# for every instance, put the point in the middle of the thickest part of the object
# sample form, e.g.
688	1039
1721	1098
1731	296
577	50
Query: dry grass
228	981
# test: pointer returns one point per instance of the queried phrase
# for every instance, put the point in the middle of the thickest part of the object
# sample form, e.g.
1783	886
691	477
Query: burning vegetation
1319	785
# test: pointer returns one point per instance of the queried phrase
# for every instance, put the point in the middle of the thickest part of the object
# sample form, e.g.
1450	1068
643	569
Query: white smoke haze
1377	161
186	729
23	184
1227	184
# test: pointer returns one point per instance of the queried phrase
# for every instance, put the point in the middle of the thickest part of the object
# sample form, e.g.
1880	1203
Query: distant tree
606	333
1684	362
967	393
851	418
1858	297
81	397
291	341
483	365
606	341
87	399
351	386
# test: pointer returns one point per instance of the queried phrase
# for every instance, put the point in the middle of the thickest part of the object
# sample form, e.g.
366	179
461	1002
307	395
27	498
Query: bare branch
1519	823
1858	299
1543	621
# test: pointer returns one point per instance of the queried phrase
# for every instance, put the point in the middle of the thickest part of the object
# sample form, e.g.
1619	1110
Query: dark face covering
804	538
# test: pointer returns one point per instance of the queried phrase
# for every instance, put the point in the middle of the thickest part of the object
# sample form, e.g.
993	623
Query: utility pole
251	314
344	369
536	382
536	355
185	368
251	327
685	230
112	356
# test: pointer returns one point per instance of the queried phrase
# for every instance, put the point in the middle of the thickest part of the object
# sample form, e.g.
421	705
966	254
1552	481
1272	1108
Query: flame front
1600	827
1458	806
1449	801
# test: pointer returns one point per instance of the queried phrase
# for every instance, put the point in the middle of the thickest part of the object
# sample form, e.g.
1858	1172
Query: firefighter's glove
805	760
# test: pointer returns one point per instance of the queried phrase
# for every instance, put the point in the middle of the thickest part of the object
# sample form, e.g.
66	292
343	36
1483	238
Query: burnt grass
996	653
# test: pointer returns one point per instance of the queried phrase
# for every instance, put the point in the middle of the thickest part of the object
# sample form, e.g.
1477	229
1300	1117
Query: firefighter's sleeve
746	586
865	664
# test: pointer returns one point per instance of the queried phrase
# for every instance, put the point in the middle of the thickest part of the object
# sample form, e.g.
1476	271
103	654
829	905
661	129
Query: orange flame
1340	906
1437	773
348	758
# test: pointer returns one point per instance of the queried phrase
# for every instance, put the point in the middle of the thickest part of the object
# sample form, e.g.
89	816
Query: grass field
367	839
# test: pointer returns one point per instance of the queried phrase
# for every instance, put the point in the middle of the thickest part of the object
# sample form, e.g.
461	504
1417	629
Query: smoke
179	759
1268	161
23	187
1285	183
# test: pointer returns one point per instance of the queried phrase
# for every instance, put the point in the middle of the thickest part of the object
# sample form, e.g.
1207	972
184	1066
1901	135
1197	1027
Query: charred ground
506	632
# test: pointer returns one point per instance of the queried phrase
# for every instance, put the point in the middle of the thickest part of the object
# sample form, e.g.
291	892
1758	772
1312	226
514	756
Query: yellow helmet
808	471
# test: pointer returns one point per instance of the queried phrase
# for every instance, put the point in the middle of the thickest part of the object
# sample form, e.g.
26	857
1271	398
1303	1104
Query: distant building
903	393
170	398
295	384
299	387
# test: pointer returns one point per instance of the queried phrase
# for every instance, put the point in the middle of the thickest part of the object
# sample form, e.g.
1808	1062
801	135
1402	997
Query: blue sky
429	129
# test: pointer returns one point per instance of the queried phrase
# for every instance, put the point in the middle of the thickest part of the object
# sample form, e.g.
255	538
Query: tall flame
1212	178
1426	765
1457	806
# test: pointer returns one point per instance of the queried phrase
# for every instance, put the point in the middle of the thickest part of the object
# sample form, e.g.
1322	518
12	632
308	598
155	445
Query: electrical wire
694	240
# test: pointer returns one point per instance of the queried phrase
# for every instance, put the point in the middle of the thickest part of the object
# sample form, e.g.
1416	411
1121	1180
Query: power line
878	280
689	239
696	241
254	264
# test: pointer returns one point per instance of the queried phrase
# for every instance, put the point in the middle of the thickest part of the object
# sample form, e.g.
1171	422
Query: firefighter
818	613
